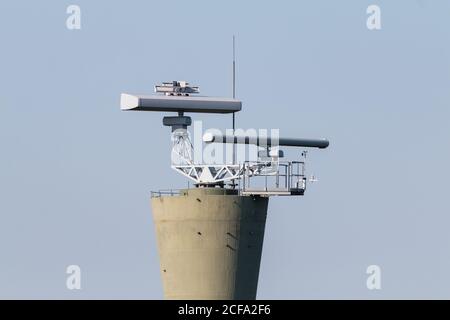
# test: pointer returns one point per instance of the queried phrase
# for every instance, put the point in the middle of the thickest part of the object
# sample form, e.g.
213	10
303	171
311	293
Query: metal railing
165	192
283	176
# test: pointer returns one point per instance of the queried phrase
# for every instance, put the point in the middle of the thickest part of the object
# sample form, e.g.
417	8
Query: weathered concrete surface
210	242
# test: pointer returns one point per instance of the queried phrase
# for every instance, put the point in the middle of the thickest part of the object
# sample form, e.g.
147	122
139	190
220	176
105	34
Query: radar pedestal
210	242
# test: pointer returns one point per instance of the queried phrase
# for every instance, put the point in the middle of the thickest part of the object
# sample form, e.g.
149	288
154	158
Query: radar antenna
288	176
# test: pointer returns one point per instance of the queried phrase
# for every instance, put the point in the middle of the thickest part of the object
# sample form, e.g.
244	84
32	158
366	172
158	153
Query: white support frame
209	174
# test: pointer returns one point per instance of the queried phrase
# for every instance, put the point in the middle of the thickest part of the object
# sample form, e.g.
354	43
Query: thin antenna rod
234	68
234	96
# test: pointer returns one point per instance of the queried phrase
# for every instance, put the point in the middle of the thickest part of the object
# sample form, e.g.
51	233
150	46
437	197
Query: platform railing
165	192
286	177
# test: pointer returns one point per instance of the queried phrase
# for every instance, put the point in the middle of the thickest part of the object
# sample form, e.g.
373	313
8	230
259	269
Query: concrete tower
210	242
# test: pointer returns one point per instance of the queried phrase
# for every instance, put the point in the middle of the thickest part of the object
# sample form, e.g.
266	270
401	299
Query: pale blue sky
75	172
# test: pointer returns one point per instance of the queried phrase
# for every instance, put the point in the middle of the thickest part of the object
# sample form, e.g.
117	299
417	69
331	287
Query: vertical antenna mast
234	68
234	95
